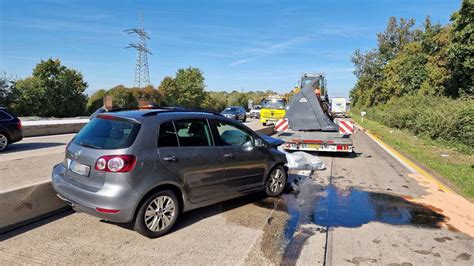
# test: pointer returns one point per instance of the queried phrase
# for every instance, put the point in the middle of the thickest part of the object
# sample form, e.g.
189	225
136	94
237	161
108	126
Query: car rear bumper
109	197
16	135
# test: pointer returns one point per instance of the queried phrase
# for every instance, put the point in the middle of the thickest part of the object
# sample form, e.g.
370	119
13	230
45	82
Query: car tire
276	181
245	119
3	142
264	124
148	224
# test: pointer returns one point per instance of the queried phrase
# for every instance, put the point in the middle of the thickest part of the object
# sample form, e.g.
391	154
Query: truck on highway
273	109
339	107
309	124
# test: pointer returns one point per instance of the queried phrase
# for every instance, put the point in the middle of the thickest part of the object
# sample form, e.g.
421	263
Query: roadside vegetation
416	88
54	90
454	162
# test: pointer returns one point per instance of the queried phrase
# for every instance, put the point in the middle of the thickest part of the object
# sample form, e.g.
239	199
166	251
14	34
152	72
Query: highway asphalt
363	209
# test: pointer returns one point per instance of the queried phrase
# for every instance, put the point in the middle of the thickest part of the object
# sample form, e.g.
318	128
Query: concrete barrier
26	204
52	127
21	206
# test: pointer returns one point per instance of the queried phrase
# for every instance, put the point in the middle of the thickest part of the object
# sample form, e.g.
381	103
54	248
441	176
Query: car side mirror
259	143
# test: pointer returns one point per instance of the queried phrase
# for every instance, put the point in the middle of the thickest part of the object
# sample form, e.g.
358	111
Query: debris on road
301	160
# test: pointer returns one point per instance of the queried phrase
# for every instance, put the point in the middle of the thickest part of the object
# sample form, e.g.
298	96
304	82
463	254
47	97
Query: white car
255	111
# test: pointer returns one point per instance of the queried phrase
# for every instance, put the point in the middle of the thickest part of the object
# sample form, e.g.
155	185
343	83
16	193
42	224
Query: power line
142	75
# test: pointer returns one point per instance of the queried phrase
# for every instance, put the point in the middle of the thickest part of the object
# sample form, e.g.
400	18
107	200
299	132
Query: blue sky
249	45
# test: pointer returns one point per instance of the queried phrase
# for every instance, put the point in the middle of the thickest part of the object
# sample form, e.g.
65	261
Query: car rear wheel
158	214
245	119
276	181
3	142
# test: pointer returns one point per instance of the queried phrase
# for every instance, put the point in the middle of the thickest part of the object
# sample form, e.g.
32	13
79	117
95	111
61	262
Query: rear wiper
90	145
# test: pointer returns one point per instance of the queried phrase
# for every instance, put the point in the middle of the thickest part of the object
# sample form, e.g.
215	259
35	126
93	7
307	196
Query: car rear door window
167	135
193	132
231	135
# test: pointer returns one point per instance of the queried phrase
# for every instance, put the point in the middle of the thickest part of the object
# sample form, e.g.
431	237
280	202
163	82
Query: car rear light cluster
342	147
115	163
106	210
18	125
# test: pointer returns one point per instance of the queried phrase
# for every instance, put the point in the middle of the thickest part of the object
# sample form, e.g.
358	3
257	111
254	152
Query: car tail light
115	163
106	210
342	147
18	125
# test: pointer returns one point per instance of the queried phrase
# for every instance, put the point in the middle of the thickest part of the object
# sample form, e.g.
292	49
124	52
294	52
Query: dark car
235	112
148	166
10	129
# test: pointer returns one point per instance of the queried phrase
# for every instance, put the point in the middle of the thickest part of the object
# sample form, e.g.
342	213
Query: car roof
140	115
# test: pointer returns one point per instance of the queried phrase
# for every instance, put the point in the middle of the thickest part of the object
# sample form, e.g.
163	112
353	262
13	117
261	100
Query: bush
439	118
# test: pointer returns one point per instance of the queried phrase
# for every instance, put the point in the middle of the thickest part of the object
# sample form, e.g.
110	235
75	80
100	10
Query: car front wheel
276	181
3	142
158	214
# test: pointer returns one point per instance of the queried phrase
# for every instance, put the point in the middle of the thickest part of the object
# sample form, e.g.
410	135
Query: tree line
53	90
421	78
434	60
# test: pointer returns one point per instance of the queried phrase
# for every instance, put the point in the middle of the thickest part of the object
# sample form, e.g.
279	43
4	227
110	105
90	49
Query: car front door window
230	135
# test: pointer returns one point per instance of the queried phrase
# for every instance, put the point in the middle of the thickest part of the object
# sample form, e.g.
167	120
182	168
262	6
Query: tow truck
309	124
273	109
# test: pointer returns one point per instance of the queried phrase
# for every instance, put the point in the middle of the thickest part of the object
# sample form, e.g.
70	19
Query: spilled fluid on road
351	207
313	209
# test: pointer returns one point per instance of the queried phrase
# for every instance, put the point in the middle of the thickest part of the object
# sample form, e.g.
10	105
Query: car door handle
170	159
228	155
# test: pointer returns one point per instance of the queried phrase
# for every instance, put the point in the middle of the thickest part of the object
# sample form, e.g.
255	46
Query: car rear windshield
102	133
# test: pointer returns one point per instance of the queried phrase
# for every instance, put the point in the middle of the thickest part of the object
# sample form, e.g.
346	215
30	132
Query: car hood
272	141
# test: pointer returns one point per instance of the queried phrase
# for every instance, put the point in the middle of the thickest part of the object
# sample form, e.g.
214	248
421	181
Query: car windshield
274	104
102	133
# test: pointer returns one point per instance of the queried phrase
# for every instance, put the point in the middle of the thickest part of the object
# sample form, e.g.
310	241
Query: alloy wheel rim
3	142
276	181
159	213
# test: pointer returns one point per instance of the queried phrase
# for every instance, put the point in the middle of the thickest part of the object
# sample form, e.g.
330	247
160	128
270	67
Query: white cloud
239	62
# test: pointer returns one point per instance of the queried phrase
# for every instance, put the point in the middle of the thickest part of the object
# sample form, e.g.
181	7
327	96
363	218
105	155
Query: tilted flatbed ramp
310	128
304	111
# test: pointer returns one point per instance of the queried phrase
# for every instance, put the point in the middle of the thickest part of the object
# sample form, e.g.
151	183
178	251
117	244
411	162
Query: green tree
405	73
53	90
148	93
169	91
461	50
435	42
369	71
215	101
95	101
6	90
190	85
122	97
396	36
185	90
